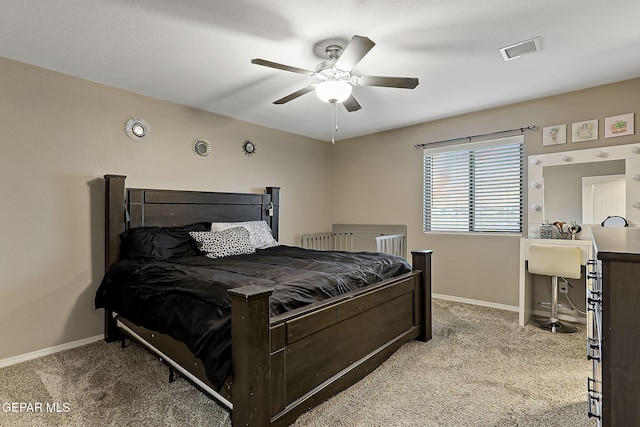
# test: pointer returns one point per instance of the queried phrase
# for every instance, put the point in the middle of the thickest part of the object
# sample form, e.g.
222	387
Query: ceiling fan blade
399	82
351	104
271	64
294	95
357	48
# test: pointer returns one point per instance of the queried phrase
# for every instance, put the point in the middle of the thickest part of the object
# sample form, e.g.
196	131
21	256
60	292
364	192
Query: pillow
259	232
142	243
218	244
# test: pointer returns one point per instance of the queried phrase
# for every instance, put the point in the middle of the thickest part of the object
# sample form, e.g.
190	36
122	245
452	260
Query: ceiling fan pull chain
334	126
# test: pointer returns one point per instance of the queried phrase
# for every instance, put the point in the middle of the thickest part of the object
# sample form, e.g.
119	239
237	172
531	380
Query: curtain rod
521	130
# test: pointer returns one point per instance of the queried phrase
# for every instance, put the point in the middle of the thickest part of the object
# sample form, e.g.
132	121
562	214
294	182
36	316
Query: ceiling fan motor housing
327	70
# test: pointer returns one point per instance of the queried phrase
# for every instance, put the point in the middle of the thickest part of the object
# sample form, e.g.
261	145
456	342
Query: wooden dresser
613	346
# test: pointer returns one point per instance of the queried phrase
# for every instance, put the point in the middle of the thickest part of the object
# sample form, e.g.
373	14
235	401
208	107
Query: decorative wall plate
137	129
249	147
202	147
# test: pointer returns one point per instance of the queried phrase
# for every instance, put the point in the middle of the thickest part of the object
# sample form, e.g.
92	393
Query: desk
525	303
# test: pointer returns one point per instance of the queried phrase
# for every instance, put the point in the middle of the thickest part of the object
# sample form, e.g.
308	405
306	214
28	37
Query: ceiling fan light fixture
333	91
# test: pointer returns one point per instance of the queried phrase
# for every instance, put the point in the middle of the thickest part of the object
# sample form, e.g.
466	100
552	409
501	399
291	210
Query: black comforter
187	297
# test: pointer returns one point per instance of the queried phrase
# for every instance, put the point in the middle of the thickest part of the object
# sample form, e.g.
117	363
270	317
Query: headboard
137	207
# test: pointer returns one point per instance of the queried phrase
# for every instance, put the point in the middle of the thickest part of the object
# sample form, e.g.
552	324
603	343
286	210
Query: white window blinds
474	187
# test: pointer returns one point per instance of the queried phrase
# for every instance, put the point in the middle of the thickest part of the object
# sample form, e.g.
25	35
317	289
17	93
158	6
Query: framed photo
584	131
618	125
554	135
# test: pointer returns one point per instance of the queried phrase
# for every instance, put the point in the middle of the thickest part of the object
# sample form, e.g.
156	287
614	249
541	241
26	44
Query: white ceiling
198	52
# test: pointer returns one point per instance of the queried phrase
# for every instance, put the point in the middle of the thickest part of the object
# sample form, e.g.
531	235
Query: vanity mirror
585	192
609	177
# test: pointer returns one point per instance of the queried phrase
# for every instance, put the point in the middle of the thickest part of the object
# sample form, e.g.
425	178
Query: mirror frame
536	163
133	125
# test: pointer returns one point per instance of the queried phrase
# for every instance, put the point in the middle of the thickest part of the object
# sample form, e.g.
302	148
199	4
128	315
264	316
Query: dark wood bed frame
287	364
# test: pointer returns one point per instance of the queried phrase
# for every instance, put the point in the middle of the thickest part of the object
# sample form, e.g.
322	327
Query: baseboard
477	302
47	351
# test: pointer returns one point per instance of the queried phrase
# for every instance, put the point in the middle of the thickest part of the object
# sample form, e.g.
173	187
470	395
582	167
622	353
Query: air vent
517	50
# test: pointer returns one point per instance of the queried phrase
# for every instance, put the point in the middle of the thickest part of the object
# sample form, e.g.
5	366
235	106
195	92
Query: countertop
616	243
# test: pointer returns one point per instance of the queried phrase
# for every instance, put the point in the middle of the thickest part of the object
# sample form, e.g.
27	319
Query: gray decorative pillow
218	244
259	232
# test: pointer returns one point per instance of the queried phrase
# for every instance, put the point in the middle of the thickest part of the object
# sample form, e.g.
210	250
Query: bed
284	358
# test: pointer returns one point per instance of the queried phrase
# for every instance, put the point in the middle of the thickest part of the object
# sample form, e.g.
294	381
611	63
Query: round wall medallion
202	147
249	147
137	129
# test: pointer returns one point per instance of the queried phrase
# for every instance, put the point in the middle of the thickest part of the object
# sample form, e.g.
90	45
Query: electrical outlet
563	288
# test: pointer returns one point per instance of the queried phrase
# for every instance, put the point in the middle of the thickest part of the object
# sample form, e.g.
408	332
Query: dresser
613	327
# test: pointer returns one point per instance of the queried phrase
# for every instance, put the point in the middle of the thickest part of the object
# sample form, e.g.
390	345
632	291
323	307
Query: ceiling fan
335	80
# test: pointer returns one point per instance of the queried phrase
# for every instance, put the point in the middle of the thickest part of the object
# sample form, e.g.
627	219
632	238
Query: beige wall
60	134
378	179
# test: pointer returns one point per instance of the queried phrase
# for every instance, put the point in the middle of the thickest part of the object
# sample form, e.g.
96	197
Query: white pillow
259	232
232	241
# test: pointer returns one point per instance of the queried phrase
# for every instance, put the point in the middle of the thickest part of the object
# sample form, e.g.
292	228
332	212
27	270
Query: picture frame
554	135
584	131
619	125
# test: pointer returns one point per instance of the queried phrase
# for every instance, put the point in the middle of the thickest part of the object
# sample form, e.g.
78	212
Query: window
476	187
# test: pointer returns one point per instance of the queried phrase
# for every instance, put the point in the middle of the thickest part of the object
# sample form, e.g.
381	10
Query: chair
555	261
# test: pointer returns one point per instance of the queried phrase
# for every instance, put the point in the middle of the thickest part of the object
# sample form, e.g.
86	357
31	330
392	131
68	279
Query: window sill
473	233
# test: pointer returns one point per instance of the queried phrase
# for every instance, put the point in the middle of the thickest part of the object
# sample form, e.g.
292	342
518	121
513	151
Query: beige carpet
480	369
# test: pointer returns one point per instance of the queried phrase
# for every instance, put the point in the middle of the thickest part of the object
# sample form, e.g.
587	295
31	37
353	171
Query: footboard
287	364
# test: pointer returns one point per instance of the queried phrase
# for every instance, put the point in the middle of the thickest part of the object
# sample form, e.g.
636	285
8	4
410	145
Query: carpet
480	369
